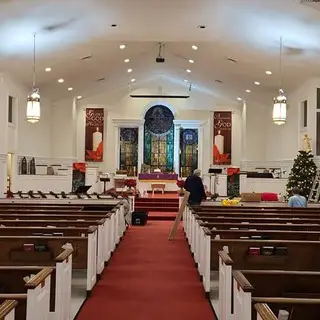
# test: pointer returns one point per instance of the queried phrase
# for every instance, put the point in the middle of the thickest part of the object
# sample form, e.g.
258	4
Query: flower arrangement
230	202
180	183
131	183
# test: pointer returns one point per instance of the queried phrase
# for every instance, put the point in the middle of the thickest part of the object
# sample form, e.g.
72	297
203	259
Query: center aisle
149	277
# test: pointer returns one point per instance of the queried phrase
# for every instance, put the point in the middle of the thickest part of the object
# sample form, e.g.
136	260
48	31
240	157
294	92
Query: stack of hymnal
254	251
28	247
267	251
281	251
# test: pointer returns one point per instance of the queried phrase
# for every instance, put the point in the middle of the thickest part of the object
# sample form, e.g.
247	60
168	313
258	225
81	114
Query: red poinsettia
220	158
180	183
131	183
97	155
79	166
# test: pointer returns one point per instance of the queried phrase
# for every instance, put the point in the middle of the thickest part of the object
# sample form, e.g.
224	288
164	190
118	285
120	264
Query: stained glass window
159	138
188	151
129	150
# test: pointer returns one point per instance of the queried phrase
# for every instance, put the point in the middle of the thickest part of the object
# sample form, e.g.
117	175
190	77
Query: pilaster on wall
128	123
3	174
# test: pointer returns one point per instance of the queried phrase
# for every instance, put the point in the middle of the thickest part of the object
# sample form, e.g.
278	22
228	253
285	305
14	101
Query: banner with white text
94	134
222	137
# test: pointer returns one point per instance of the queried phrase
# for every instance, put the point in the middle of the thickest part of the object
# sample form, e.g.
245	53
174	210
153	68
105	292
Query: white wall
21	138
118	105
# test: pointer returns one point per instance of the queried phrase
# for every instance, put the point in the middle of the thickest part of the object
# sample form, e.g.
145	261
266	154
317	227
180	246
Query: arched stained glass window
188	151
129	150
159	138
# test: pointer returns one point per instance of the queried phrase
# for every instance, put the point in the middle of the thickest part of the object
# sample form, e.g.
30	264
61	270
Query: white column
244	132
176	149
200	147
116	146
74	128
140	146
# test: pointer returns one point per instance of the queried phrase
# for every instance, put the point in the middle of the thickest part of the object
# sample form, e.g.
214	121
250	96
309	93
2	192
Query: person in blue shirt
296	200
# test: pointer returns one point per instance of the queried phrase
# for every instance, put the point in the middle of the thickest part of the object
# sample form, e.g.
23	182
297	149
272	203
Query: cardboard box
251	197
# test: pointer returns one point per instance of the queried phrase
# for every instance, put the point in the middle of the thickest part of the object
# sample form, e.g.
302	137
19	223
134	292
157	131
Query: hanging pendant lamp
33	101
279	115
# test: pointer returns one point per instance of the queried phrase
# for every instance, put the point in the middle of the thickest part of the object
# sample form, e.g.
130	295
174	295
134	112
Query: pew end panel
298	309
63	285
7	309
264	312
225	286
242	290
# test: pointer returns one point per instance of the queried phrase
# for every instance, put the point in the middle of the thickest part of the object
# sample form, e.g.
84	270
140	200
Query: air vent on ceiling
86	57
218	81
101	79
232	60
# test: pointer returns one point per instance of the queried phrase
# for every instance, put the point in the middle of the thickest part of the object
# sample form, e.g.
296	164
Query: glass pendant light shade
33	107
33	100
279	115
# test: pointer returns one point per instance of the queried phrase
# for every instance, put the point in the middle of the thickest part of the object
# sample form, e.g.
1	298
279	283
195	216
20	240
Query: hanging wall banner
78	175
94	134
222	135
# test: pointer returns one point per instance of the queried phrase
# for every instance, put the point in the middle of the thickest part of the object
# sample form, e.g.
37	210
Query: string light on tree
302	173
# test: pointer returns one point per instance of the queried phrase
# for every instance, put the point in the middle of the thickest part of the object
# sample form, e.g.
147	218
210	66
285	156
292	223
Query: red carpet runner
149	278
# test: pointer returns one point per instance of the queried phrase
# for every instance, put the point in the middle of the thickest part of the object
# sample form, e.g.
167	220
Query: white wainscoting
262	185
44	183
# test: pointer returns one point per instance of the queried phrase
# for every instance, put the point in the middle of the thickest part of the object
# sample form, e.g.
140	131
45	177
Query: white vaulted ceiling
246	30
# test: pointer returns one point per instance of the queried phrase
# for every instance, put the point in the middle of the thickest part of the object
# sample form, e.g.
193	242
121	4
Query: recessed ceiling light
218	81
194	47
70	89
191	61
60	80
257	83
126	60
248	90
239	99
268	72
122	46
114	25
133	80
79	97
188	70
48	69
130	70
201	26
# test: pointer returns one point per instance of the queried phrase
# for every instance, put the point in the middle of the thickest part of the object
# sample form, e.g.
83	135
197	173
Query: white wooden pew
264	312
7	309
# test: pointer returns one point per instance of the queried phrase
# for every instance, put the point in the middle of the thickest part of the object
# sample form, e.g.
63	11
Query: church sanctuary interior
160	159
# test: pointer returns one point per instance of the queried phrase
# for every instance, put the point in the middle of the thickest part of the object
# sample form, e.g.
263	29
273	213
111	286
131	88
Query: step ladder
315	190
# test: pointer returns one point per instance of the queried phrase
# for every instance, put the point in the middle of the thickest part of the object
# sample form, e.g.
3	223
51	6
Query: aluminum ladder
315	190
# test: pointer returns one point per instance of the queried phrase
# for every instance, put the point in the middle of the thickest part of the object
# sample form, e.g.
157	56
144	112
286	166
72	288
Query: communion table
146	180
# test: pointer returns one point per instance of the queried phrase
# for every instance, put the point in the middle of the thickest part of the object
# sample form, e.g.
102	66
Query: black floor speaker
139	218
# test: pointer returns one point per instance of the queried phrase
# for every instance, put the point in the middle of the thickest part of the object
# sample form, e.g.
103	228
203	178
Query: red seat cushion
269	196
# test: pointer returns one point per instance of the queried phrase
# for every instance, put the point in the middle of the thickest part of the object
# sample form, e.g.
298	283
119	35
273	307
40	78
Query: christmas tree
302	174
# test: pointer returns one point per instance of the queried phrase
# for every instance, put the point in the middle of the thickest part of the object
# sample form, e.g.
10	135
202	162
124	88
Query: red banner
94	134
222	135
